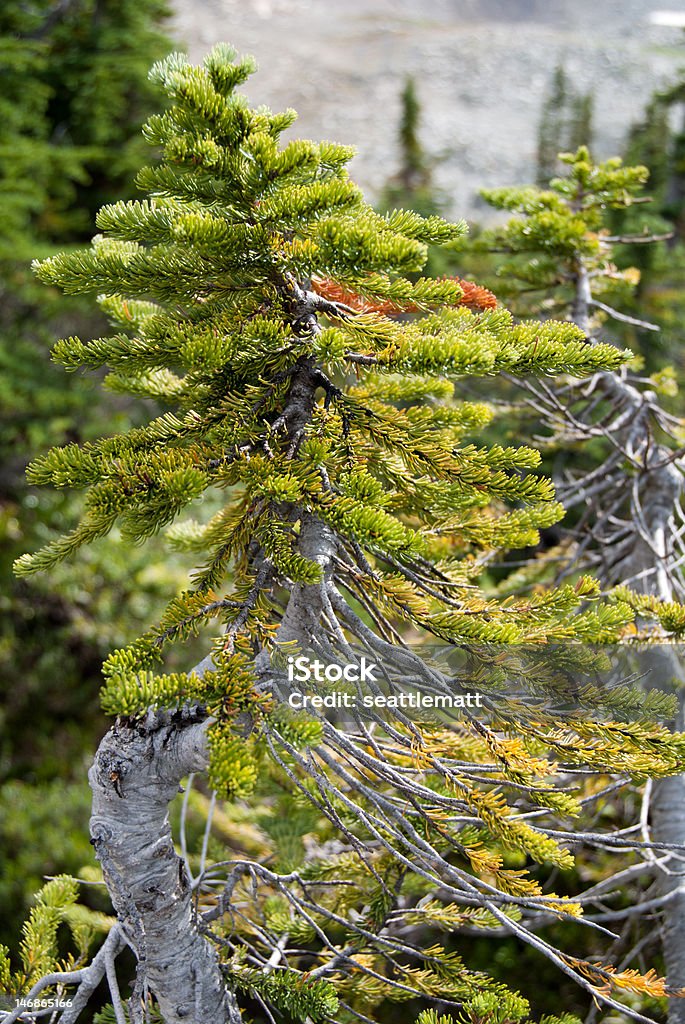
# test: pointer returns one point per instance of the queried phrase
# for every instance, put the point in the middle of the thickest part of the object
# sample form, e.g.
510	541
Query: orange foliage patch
607	977
474	296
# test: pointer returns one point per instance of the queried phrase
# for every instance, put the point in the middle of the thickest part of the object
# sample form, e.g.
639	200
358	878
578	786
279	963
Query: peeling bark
135	775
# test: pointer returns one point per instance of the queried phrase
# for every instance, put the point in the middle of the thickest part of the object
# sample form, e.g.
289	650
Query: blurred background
441	98
484	69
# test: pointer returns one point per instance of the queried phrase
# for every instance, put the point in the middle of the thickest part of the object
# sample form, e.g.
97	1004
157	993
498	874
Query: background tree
74	91
617	451
350	513
414	178
74	94
413	187
565	124
656	140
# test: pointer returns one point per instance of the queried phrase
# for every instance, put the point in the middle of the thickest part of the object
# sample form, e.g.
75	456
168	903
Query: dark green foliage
657	139
74	88
74	91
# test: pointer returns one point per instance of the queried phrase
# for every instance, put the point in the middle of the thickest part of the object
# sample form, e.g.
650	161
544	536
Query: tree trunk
136	774
668	826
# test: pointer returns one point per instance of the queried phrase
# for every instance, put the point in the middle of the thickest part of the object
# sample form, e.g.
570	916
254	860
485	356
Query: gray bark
650	566
135	775
647	567
668	826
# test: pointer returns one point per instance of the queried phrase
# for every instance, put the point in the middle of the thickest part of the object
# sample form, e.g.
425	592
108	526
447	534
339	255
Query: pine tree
565	124
655	141
357	505
627	494
412	186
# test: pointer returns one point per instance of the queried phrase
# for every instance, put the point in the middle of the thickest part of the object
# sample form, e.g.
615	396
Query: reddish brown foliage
474	296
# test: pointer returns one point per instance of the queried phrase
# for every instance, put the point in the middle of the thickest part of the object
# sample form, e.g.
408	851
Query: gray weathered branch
645	546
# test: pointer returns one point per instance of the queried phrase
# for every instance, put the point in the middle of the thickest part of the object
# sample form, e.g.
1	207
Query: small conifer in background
616	448
565	124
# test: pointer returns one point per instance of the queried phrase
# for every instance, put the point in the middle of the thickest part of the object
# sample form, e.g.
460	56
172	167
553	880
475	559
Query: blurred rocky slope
482	68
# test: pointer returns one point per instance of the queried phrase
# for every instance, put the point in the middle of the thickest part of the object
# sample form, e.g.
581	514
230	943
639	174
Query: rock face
482	69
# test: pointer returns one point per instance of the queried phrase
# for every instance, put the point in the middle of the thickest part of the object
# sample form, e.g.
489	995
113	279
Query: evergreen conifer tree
565	124
357	504
657	142
621	467
412	186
